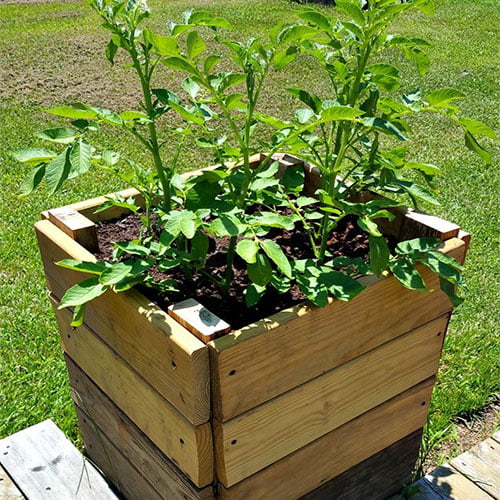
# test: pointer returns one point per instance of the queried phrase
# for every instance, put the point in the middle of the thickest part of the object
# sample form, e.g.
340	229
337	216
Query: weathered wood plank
260	437
170	358
187	445
95	408
445	483
417	224
481	465
8	490
196	318
496	436
377	477
327	457
316	340
45	465
75	225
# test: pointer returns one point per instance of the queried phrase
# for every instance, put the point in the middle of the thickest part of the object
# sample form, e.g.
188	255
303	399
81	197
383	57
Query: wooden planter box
316	402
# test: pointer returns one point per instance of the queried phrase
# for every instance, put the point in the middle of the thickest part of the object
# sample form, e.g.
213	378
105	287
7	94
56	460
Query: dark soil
347	240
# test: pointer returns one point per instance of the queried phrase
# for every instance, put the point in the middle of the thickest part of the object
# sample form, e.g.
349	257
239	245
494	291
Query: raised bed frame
306	402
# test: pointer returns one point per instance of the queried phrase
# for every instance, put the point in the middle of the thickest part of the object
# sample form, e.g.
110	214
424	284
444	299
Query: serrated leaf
79	157
379	254
57	171
441	97
83	266
407	275
61	135
260	272
275	253
82	293
247	250
32	180
33	156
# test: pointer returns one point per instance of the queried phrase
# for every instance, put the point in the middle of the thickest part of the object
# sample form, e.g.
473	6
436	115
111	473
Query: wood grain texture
265	359
377	477
8	490
95	408
331	455
417	224
481	465
260	437
170	358
446	482
75	225
45	465
189	446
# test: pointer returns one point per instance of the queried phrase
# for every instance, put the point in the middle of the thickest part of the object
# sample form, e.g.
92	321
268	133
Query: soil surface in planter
348	239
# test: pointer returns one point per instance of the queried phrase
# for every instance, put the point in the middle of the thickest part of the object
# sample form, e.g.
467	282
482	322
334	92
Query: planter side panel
172	360
260	437
188	446
377	478
266	359
127	456
317	463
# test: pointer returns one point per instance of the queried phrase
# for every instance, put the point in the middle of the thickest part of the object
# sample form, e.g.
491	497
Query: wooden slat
267	358
327	457
376	478
260	437
169	357
98	415
417	224
75	225
8	490
45	465
496	437
446	482
481	465
190	447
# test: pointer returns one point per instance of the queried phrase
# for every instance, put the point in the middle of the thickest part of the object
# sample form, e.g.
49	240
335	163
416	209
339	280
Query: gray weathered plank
481	465
8	490
45	465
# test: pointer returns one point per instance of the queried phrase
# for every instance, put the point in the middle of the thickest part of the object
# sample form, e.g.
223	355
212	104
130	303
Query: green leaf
199	249
417	191
407	275
187	224
57	171
33	156
303	115
195	45
275	253
310	100
187	115
180	64
83	266
352	10
32	180
417	245
210	63
273	220
419	57
191	87
247	250
366	224
226	225
340	113
253	294
441	97
164	45
383	125
260	272
78	315
284	57
127	116
132	248
82	293
62	135
315	17
296	33
339	285
449	289
403	40
75	111
379	254
473	145
79	157
426	168
111	49
444	269
475	127
293	179
118	271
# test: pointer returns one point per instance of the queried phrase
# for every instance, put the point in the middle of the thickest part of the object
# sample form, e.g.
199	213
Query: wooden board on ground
99	416
376	478
260	437
75	225
188	445
481	465
170	358
243	362
328	457
45	465
8	490
446	482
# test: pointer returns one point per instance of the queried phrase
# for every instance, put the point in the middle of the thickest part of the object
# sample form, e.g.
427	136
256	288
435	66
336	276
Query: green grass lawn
54	53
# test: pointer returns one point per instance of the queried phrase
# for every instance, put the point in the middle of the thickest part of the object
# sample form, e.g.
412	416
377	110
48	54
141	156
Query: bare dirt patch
470	430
